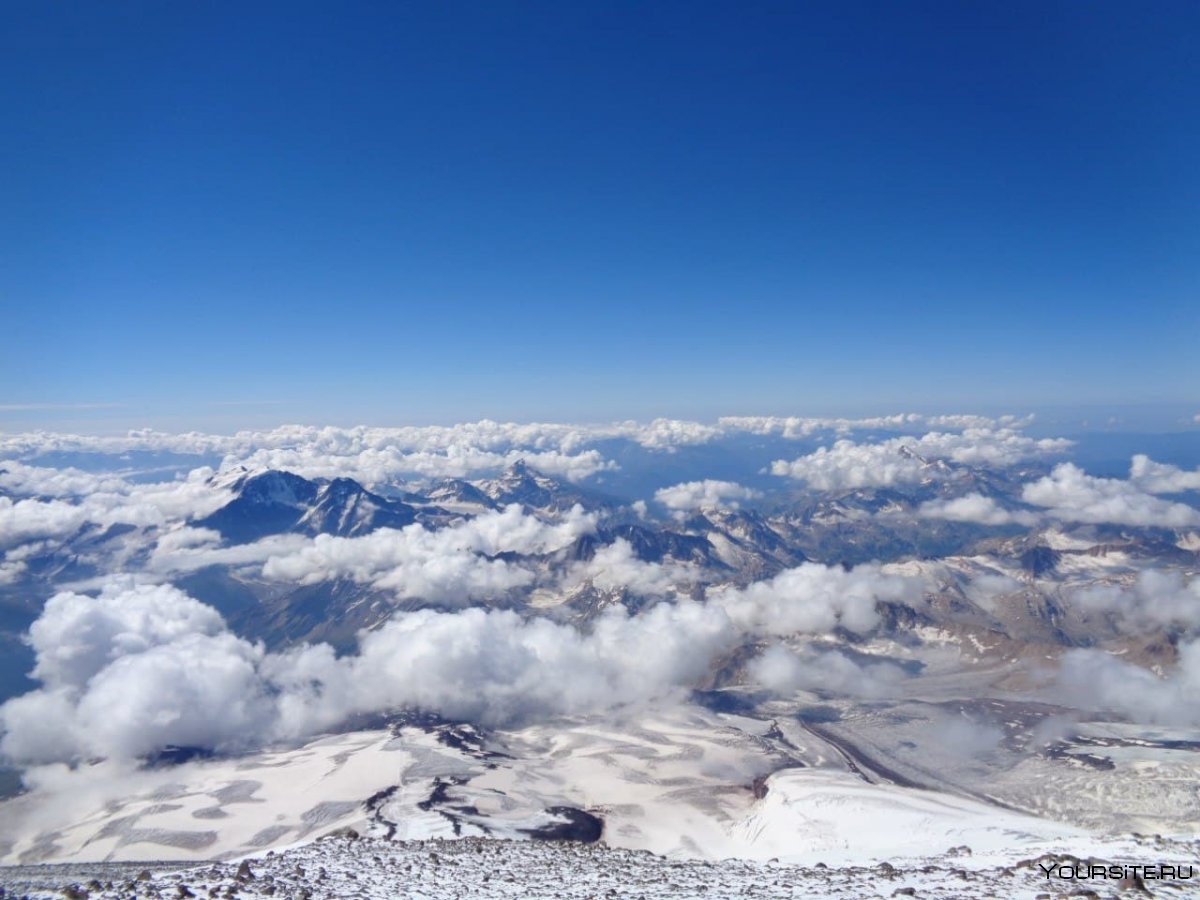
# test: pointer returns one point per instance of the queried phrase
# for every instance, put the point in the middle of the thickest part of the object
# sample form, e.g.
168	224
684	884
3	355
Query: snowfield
691	803
685	784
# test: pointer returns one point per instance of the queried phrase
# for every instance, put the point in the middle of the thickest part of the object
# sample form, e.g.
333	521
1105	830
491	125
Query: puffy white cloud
1071	495
380	465
450	566
975	507
1155	600
1160	478
813	598
23	480
1094	678
377	455
906	460
11	571
100	500
189	549
796	427
690	495
615	566
76	635
784	672
140	667
198	691
664	434
25	520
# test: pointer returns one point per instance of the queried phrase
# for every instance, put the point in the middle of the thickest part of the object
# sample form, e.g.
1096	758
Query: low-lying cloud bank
1071	495
909	460
375	455
1099	680
142	667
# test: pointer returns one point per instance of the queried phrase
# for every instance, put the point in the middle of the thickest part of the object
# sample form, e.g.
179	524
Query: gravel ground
346	866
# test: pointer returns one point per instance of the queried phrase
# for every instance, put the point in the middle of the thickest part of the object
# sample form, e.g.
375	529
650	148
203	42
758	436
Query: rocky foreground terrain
344	865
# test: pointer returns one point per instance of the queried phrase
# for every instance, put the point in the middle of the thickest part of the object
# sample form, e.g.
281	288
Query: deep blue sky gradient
385	213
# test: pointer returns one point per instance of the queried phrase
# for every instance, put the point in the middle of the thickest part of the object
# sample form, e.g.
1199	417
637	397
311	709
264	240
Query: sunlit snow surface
730	796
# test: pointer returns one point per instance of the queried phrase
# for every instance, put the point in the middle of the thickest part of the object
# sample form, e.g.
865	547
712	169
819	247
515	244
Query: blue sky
254	213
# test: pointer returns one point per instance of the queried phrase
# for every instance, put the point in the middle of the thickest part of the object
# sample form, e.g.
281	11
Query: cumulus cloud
907	460
1093	677
380	465
615	566
975	507
449	566
796	427
77	636
813	599
691	495
1071	495
1161	478
784	672
378	455
140	667
23	480
25	520
101	500
1157	599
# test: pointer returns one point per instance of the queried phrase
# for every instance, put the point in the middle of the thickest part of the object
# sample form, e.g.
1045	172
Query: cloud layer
1071	495
905	460
139	667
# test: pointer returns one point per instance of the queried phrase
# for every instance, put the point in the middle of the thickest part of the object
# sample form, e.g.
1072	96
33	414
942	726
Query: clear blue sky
434	211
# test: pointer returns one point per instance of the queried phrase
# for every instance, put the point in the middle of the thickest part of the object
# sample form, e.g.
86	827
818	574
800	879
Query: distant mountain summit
520	483
276	502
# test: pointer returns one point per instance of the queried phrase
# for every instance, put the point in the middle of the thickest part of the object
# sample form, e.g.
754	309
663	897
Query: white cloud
975	507
100	499
966	737
691	495
141	667
615	566
1094	678
850	465
813	598
378	455
903	460
76	635
1157	599
23	480
1070	494
1160	478
784	672
449	566
25	520
796	427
